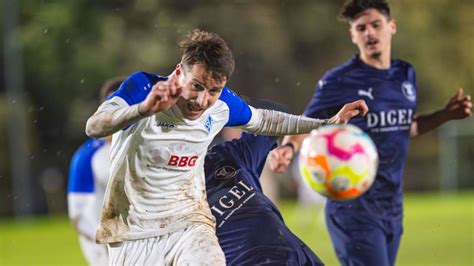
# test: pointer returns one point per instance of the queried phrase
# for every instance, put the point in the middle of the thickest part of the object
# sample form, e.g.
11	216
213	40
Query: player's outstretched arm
280	158
274	123
458	107
115	114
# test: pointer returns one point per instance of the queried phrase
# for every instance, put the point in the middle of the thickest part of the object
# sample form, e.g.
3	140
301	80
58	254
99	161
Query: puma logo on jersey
367	93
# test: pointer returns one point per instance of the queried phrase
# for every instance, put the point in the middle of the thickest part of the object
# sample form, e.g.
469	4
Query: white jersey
89	172
157	183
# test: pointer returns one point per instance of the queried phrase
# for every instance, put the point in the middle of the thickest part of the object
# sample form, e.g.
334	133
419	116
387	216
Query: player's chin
193	115
375	54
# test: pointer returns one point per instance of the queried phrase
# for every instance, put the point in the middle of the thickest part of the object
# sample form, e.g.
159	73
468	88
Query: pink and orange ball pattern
338	161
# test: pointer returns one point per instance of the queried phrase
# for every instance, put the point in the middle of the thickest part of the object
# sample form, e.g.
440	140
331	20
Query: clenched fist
162	96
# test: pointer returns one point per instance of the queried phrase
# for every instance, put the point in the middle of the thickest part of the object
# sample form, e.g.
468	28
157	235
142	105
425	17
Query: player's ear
351	32
179	72
393	25
179	69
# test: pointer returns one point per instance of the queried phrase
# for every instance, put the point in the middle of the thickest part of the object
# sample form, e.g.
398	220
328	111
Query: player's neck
379	62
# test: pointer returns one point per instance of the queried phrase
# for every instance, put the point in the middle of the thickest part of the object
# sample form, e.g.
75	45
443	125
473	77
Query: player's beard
376	55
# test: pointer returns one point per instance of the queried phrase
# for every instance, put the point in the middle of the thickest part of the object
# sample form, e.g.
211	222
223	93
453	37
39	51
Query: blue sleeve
412	79
411	74
253	150
136	87
81	178
239	111
326	100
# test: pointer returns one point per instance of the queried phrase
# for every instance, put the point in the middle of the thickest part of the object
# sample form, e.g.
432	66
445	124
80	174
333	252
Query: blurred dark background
65	49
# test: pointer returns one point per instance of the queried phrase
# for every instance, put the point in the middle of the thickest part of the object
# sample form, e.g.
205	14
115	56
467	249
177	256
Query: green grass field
439	230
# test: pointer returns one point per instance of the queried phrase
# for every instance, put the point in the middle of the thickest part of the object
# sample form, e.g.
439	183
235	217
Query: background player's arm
115	114
78	204
280	157
458	107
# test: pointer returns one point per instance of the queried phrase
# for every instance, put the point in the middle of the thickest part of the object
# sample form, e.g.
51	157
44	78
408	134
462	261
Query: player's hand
280	158
348	111
162	96
458	107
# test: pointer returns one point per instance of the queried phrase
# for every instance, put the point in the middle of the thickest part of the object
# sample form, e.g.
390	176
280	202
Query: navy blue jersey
249	226
391	97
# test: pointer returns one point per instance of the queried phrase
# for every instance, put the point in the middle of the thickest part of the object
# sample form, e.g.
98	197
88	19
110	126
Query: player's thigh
149	251
199	246
357	240
393	242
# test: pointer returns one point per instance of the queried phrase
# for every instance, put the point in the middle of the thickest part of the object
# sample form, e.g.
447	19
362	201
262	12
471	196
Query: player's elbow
414	130
93	128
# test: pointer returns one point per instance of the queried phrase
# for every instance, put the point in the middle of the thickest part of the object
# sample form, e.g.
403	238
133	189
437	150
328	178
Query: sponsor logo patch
409	91
208	124
225	172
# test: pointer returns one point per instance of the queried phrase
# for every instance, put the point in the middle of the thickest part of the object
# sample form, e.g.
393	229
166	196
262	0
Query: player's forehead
368	16
198	73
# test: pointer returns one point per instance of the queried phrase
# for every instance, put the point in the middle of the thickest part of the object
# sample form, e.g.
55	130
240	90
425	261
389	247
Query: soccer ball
338	161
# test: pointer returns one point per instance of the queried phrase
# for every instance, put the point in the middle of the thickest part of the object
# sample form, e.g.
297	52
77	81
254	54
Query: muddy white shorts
194	245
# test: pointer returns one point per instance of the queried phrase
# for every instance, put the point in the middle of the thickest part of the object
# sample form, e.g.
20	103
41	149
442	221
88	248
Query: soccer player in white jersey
88	175
155	210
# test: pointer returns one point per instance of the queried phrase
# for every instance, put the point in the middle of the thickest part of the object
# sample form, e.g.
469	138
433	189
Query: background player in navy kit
88	175
249	226
367	230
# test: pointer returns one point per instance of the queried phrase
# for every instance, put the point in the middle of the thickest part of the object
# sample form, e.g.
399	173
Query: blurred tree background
281	48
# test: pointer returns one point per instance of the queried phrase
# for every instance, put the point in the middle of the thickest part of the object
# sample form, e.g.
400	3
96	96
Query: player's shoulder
341	70
88	148
335	76
402	64
92	144
136	87
145	78
403	70
228	95
238	112
80	170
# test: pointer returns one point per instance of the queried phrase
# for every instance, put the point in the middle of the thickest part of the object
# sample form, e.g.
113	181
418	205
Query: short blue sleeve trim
81	177
239	111
135	89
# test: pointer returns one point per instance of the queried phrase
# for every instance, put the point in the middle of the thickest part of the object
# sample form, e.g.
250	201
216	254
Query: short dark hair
210	50
109	87
352	8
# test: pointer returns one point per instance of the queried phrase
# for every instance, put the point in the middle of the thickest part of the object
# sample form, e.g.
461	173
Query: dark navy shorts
364	240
